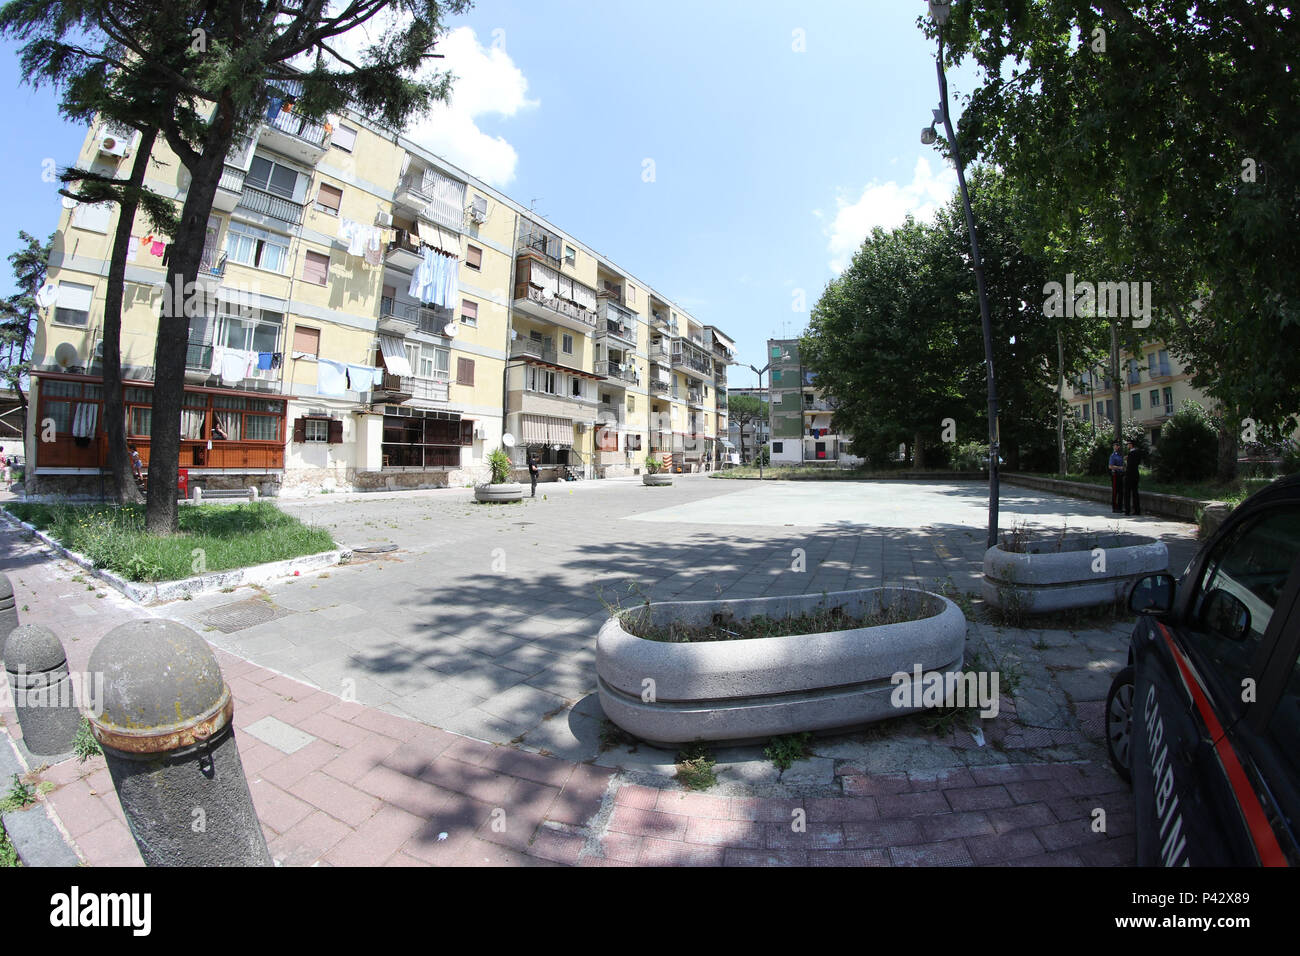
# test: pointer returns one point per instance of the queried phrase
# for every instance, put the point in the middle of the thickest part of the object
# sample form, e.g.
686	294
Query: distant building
1153	386
755	434
800	415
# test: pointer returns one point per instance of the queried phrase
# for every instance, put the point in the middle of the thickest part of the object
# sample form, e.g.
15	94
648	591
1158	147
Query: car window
1252	566
1284	726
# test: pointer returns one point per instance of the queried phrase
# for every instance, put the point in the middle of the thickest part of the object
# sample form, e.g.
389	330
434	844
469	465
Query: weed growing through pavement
84	744
695	767
612	735
784	751
19	795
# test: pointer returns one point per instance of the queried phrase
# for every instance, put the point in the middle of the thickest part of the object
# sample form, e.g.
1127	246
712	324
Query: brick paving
371	786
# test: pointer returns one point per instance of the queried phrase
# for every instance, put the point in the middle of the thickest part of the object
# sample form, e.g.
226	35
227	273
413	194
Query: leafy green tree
1173	125
19	313
745	410
204	75
1187	445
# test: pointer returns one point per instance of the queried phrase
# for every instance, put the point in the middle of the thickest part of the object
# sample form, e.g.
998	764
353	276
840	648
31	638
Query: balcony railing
560	306
277	207
617	322
439	198
609	413
616	370
658	354
691	358
818	405
309	131
232	179
695	396
529	348
660	320
658	387
430	390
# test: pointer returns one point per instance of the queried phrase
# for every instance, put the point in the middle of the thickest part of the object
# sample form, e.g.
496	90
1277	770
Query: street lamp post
759	372
939	10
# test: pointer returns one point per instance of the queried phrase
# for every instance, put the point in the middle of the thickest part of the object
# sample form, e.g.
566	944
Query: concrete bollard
8	610
252	493
197	493
44	696
169	741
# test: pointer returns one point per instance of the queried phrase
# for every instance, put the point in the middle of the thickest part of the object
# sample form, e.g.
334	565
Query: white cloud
487	83
886	205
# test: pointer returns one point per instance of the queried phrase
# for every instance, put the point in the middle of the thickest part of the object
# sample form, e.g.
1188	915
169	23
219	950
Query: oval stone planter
762	687
658	480
499	494
1079	570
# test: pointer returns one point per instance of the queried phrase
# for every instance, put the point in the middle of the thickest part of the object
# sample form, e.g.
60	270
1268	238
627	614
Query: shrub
1189	446
1291	457
1100	448
764	456
654	464
499	463
972	456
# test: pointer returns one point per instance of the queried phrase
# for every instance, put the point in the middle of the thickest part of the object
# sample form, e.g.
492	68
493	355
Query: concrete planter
1079	570
657	480
499	494
753	689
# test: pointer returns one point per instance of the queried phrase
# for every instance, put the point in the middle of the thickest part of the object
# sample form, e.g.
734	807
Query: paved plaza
388	706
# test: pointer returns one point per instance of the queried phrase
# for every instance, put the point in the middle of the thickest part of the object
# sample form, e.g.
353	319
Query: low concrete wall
1086	571
753	689
657	480
1167	506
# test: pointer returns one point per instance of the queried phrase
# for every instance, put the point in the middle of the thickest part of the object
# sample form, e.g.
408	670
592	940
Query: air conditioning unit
479	430
384	219
113	145
478	211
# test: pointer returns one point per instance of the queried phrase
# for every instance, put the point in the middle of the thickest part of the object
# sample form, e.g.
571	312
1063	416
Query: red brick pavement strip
374	788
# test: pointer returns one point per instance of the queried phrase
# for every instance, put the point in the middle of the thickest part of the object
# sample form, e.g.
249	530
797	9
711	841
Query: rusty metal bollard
169	741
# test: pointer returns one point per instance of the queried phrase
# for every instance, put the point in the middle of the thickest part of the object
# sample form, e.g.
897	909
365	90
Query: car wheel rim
1119	723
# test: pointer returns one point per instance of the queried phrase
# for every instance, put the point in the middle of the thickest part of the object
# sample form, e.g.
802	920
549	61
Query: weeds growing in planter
695	767
227	537
725	627
612	735
784	751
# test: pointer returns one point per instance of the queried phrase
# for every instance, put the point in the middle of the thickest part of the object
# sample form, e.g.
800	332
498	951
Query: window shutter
473	257
306	340
468	309
315	268
329	198
464	371
300	430
466	432
336	431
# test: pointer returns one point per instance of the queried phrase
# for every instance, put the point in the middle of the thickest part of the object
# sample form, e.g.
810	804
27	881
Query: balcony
692	360
404	251
229	188
695	397
659	388
541	304
620	373
425	391
430	195
531	348
537	241
198	369
818	406
267	204
294	135
616	323
720	401
719	373
659	354
661	321
609	414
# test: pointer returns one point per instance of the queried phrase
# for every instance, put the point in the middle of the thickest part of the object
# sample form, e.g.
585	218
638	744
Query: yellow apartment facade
369	317
1153	385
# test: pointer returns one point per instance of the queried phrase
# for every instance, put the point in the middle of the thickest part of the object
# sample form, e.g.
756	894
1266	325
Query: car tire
1119	723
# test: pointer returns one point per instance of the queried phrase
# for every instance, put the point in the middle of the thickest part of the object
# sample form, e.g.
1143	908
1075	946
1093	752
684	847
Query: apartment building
1153	386
748	438
800	416
369	317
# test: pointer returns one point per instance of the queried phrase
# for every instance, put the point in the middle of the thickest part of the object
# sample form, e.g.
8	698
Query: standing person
533	471
1116	480
1131	501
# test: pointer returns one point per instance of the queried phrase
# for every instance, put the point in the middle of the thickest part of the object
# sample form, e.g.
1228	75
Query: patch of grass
784	751
957	596
943	720
8	855
229	536
84	744
695	767
725	627
20	795
1234	492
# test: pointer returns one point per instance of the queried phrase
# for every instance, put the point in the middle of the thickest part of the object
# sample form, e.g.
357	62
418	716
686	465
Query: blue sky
779	133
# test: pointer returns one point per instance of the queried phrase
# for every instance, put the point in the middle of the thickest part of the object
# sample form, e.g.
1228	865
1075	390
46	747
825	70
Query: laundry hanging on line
330	378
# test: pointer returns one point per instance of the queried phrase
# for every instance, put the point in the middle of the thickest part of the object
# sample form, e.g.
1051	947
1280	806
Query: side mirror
1153	594
1225	615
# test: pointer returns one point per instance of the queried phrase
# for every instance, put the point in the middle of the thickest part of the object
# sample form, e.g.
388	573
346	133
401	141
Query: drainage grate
235	617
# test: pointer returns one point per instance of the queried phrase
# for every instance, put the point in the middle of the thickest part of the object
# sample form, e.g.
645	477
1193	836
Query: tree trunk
918	452
1115	382
1061	464
119	463
180	296
1227	465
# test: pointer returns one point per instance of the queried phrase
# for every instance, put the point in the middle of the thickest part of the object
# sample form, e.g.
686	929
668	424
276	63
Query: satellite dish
65	355
68	202
451	330
48	295
513	335
508	440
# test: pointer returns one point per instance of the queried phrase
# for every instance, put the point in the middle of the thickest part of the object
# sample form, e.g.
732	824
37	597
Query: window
1154	396
1164	362
93	217
542	380
345	138
329	198
73	306
631	294
317	430
464	371
272	177
255	247
315	267
1087	416
1169	401
570	255
469	312
249	333
1152	366
631	402
566	344
1137	401
778	447
388	301
424	439
474	257
1252	567
633	443
306	340
577	386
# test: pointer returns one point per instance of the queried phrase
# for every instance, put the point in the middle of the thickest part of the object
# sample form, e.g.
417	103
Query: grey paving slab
278	734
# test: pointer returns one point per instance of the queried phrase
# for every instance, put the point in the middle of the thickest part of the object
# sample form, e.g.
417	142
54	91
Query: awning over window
547	430
448	240
394	355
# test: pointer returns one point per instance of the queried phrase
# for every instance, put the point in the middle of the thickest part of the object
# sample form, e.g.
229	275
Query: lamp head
928	136
939	10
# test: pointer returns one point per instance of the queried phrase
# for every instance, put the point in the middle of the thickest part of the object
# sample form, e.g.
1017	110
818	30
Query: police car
1205	719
